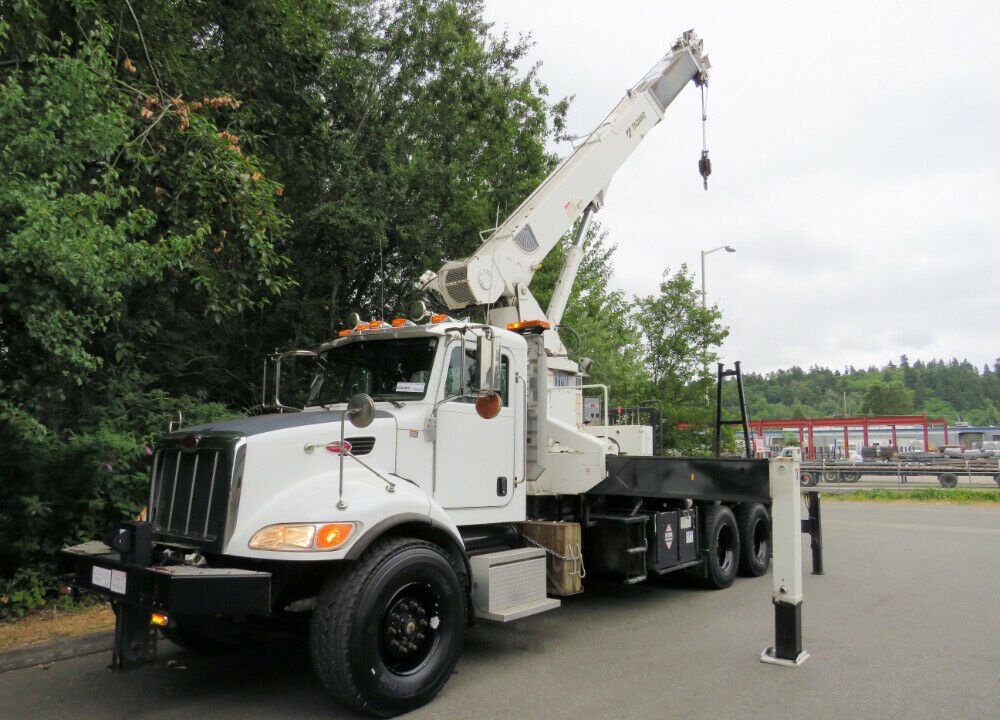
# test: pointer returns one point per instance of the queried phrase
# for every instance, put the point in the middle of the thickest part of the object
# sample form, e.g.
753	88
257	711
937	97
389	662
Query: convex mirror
488	359
360	410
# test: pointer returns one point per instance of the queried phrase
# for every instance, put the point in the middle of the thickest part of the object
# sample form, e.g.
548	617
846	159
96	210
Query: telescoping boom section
499	272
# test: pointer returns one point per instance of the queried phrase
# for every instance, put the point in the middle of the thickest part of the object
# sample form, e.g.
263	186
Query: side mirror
360	410
488	359
418	311
292	381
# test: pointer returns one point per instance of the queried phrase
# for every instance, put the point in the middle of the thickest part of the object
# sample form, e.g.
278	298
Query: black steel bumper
123	572
173	589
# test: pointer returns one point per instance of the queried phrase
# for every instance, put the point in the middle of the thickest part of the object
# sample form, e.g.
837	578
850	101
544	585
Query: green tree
986	414
789	439
887	398
937	408
115	202
680	339
599	323
433	133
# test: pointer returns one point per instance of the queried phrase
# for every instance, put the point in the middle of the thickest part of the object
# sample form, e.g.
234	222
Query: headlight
317	536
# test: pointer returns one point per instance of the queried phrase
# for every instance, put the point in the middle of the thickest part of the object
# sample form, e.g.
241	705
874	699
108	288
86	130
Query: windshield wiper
395	403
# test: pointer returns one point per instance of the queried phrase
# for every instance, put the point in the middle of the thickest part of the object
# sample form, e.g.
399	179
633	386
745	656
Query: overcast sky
856	157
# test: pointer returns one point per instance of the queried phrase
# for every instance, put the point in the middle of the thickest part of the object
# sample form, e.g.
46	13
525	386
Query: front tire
386	634
722	542
754	525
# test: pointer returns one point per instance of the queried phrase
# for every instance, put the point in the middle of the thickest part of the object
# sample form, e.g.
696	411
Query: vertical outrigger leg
135	637
786	528
814	527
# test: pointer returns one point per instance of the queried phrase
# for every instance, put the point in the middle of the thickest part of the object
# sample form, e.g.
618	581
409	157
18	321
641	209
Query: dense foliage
951	390
186	186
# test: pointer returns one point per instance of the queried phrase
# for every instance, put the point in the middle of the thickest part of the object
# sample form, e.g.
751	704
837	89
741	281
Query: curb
53	650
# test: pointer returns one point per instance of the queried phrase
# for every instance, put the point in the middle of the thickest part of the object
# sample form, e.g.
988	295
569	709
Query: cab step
510	584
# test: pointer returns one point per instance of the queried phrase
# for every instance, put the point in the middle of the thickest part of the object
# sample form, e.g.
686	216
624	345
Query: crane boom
499	272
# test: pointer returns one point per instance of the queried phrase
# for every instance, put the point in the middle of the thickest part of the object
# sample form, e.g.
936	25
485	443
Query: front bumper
138	588
172	589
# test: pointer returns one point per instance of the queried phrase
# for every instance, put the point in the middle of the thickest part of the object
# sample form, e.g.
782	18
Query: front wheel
386	634
722	542
807	478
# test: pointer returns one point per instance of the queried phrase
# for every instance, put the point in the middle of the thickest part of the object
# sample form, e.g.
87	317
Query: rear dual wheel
754	524
722	541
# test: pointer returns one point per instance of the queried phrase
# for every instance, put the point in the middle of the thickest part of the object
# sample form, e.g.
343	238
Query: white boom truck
399	505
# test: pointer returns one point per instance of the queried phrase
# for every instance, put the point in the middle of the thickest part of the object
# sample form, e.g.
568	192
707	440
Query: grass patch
953	496
55	622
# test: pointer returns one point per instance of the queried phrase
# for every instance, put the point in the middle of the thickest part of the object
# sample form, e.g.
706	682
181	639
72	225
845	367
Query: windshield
389	369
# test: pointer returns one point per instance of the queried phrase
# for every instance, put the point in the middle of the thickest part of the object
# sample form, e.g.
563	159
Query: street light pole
728	249
704	306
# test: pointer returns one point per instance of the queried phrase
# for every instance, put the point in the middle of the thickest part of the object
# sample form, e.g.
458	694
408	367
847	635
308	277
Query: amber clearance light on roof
528	324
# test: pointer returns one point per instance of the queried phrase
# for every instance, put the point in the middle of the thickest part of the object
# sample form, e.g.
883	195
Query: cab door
475	459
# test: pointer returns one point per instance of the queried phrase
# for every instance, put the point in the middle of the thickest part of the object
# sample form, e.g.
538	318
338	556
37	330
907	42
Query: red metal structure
807	425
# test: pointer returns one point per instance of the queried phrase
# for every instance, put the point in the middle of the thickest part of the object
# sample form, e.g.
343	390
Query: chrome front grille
190	491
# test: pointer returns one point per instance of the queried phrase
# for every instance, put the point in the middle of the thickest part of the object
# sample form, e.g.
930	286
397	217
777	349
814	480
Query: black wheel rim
410	628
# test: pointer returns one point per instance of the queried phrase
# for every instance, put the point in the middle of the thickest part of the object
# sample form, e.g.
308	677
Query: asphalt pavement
902	625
